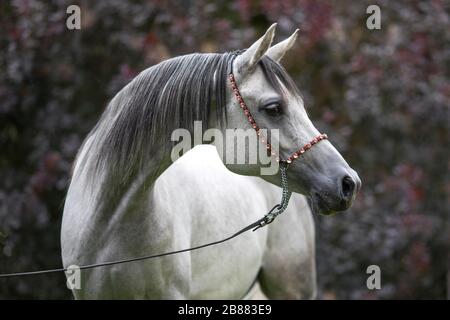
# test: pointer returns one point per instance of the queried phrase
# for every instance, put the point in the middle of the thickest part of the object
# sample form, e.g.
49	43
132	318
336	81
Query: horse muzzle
337	194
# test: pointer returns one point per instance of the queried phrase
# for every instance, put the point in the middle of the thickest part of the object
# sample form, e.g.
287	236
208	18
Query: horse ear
277	51
247	61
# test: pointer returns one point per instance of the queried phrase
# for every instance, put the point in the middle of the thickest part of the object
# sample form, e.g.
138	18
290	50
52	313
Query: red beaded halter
252	122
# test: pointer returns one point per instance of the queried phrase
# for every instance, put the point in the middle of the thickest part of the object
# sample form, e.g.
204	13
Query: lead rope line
268	218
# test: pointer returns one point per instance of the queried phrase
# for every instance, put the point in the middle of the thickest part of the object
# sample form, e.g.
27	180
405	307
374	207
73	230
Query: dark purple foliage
382	96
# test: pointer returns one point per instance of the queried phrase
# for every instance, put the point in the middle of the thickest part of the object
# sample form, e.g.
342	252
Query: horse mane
167	96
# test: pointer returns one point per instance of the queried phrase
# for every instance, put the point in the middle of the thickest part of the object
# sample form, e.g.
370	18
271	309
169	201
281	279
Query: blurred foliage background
382	95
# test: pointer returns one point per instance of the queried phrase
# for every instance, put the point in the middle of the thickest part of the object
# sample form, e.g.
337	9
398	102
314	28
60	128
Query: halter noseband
279	208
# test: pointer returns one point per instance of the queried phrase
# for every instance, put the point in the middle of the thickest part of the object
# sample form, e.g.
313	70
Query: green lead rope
279	208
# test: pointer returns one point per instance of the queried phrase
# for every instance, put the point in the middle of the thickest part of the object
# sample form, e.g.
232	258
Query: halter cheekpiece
284	163
252	122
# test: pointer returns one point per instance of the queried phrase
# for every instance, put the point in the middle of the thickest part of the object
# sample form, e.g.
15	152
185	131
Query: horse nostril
348	187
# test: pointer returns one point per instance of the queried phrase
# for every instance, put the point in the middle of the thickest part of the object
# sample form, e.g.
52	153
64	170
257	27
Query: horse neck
117	193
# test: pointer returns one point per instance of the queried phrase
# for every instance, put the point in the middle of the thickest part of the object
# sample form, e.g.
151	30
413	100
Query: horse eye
273	109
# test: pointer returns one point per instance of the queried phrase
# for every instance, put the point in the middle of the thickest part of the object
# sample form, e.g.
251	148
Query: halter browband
252	122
